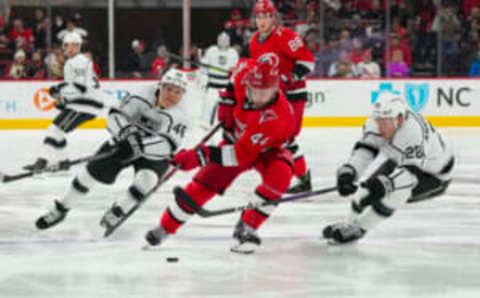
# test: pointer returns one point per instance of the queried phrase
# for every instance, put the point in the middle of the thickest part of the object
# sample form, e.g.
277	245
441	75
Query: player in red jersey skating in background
296	61
257	117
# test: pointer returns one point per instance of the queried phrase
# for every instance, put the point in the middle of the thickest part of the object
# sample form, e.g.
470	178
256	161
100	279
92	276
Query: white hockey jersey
225	59
163	129
415	143
78	71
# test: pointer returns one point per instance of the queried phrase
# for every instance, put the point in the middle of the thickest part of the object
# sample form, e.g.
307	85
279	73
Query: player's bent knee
145	180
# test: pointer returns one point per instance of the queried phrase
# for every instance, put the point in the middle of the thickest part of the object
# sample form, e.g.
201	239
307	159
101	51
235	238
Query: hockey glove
129	141
299	72
378	187
192	158
54	92
345	178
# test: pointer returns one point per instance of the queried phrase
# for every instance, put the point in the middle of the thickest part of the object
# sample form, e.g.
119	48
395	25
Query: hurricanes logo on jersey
270	58
268	115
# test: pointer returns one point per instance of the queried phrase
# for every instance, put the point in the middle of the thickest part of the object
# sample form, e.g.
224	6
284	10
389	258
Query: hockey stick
199	64
209	213
63	165
110	229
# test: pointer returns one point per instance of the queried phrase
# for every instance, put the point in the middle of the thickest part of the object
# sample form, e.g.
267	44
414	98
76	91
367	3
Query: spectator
96	67
36	67
17	69
368	69
40	25
475	67
448	24
397	67
71	27
343	67
57	26
345	41
468	6
376	16
249	31
311	41
303	27
159	63
235	26
21	38
136	62
3	35
356	55
396	45
56	62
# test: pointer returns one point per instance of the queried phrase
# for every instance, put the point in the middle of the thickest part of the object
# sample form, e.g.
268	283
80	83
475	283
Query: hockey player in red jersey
257	117
296	61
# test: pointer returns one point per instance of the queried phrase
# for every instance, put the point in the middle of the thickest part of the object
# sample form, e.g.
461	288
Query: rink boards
445	102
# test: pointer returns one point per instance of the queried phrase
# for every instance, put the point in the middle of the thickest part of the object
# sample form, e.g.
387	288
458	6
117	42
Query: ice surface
430	249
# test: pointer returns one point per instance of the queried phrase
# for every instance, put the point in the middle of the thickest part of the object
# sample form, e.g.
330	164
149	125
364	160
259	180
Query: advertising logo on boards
43	101
415	95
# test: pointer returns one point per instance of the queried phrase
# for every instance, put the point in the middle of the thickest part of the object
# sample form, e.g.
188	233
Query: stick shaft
207	213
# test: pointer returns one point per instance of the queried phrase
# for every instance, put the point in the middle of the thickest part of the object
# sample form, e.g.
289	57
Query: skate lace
348	229
111	218
52	215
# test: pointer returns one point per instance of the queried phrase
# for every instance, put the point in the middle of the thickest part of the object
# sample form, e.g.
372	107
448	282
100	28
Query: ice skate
343	232
156	236
55	216
304	184
245	239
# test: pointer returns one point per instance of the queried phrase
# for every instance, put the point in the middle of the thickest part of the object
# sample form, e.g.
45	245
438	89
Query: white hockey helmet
175	77
223	40
388	105
72	37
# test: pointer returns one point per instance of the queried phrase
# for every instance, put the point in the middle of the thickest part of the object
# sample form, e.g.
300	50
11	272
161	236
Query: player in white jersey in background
400	159
146	129
224	57
80	81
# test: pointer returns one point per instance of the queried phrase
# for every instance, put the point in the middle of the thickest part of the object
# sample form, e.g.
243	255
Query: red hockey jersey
255	130
294	57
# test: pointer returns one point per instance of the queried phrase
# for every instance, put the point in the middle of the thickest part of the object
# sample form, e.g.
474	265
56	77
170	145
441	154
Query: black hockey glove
378	188
129	141
345	178
54	92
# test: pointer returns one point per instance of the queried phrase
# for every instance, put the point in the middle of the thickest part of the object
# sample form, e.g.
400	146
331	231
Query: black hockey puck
172	259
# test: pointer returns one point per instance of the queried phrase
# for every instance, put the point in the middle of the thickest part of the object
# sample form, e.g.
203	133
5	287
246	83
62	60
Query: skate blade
245	248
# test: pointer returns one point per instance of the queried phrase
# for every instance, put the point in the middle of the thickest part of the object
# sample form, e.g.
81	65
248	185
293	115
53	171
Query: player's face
264	22
387	127
170	95
71	49
260	97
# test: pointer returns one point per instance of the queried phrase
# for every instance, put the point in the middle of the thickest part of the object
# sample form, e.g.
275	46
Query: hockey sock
177	213
300	167
79	188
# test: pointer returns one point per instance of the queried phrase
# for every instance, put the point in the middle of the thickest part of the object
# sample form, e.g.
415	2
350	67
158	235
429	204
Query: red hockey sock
198	193
253	218
300	167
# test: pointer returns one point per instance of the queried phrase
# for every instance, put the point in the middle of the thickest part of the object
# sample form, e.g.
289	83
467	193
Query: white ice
429	249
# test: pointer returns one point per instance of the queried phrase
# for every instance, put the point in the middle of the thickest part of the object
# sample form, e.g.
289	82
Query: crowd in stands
349	38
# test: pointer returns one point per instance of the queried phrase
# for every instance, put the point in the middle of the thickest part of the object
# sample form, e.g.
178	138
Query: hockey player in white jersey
80	81
400	159
146	129
224	57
